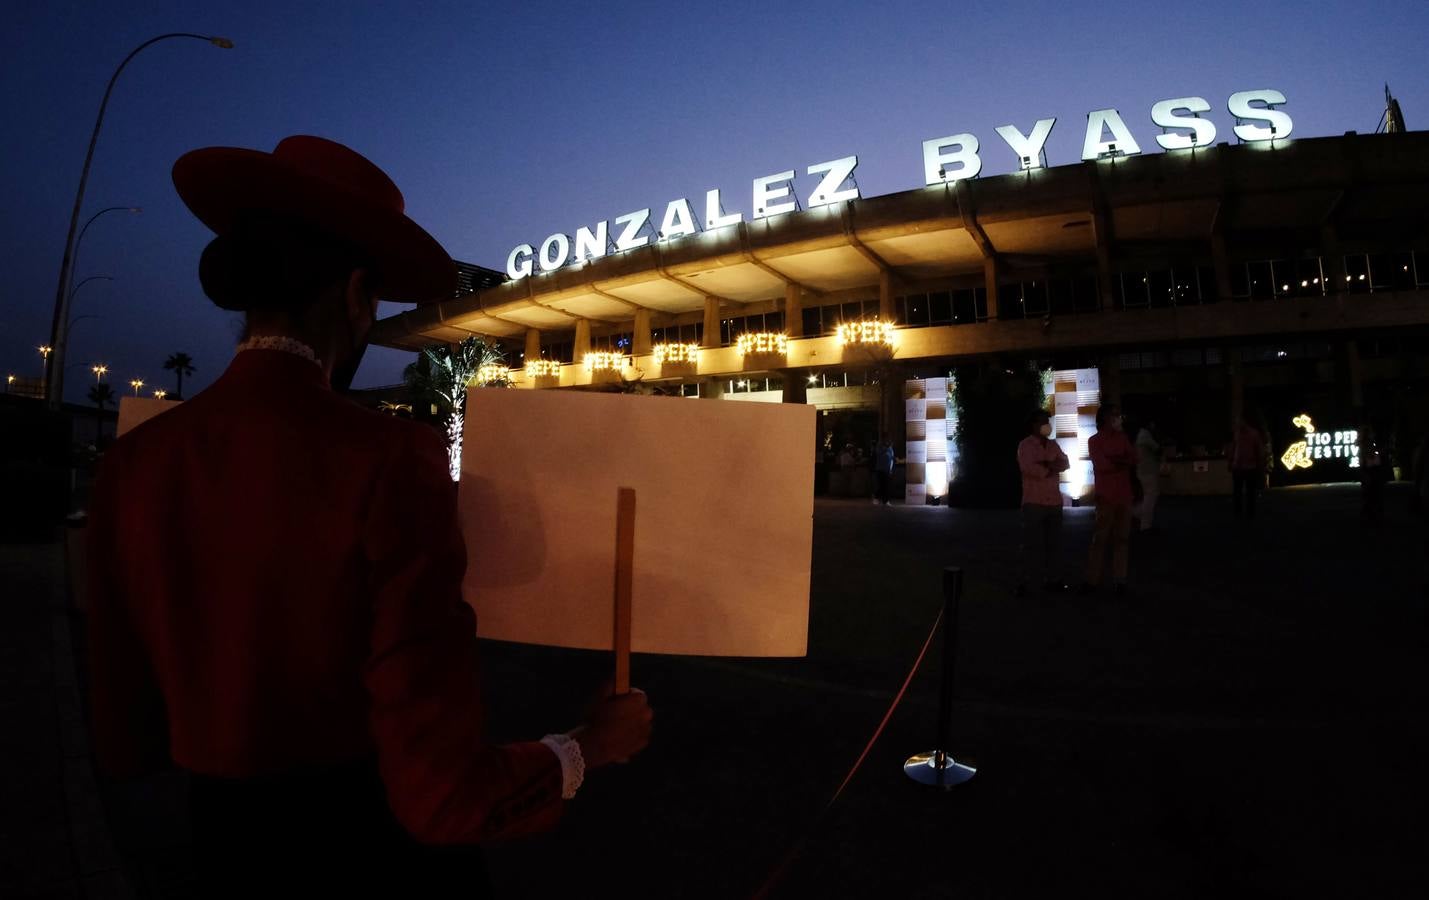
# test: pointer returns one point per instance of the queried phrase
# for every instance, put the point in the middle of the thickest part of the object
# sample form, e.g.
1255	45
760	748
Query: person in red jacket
276	572
1113	461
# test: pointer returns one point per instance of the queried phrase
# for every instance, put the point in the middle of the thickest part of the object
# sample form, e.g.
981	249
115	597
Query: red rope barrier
778	872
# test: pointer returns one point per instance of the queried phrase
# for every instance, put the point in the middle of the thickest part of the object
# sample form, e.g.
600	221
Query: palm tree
181	365
101	395
441	376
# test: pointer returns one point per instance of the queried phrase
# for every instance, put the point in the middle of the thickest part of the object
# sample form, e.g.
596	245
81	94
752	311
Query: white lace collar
281	343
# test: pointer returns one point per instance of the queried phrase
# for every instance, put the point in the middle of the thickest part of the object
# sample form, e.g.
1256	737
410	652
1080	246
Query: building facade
1280	278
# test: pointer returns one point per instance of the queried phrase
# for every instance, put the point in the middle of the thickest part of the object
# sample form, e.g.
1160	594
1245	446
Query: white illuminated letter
562	245
1203	131
1279	122
937	158
678	221
1029	148
631	237
518	261
1122	143
588	245
839	171
765	193
714	216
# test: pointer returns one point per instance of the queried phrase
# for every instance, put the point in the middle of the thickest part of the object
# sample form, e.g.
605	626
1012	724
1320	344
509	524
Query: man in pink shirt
1041	461
1113	461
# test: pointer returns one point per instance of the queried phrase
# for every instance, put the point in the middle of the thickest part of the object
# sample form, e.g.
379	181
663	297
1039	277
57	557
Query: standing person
275	573
883	460
1148	472
1041	462
1374	472
1113	461
1247	465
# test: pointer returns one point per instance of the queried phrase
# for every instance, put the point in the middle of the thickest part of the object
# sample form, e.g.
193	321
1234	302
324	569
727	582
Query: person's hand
617	727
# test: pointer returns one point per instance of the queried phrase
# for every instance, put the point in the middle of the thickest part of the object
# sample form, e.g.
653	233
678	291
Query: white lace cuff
568	751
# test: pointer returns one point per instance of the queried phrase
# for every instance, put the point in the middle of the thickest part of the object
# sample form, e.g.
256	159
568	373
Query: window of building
1262	280
1391	271
940	308
1134	290
561	351
1357	273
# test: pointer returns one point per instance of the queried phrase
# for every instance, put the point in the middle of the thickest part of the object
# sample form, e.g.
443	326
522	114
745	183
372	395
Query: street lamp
136	384
79	241
55	369
99	370
160	394
76	288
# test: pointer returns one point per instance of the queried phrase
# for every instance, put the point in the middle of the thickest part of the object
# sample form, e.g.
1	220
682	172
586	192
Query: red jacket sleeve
444	782
126	706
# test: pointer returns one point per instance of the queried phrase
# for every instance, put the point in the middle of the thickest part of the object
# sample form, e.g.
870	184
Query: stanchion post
938	766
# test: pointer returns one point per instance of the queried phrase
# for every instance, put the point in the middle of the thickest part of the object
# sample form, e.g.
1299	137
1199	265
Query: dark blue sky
503	124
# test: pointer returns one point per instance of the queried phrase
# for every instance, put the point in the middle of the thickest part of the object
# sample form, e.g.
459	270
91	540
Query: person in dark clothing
1113	462
1374	472
883	460
1247	464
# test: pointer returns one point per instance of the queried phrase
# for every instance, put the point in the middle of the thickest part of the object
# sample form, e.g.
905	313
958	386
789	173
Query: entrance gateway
945	161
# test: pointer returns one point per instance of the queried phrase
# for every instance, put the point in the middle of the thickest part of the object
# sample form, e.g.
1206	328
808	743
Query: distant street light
9	381
99	371
54	383
136	384
160	394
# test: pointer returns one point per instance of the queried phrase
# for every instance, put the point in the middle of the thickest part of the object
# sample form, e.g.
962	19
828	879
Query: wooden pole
624	578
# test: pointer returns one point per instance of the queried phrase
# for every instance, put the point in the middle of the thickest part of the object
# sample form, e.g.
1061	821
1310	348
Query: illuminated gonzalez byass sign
945	160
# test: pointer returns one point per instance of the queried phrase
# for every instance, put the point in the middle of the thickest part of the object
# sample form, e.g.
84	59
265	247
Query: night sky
503	124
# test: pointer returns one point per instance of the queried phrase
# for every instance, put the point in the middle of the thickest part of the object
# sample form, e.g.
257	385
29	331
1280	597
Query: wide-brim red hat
329	186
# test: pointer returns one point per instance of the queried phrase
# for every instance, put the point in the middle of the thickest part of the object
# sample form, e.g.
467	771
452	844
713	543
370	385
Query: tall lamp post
54	383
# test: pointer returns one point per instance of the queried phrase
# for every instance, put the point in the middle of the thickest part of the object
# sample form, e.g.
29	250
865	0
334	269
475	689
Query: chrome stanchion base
923	768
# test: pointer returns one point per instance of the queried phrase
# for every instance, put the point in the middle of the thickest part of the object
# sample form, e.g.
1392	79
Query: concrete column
711	338
1354	370
796	385
991	272
1109	368
1220	260
1334	259
1106	279
533	343
885	296
793	311
581	345
713	389
1237	383
640	341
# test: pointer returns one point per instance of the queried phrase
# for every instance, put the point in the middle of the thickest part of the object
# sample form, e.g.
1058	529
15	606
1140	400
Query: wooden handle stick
624	578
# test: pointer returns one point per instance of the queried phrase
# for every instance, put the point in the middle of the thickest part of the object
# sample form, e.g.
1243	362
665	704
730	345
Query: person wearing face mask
1041	462
275	573
1113	461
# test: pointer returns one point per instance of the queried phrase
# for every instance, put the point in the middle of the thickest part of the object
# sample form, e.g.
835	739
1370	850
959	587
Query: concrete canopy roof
948	230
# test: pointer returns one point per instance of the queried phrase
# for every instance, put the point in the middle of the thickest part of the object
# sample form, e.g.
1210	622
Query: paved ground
1248	723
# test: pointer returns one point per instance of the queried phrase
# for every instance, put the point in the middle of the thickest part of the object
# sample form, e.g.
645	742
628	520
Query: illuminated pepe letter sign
761	343
602	361
869	331
543	368
675	353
